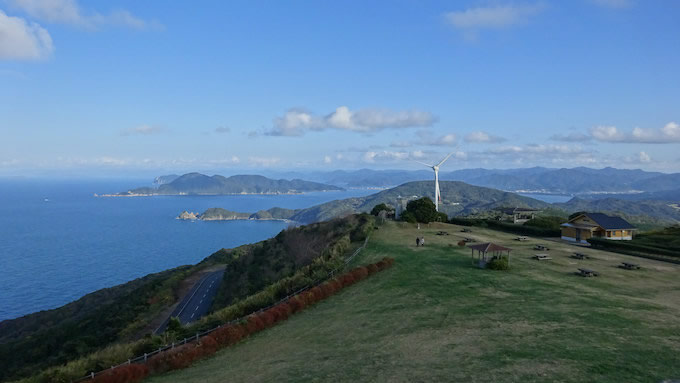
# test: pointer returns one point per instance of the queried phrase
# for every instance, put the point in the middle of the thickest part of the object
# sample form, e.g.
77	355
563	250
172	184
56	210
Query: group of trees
420	210
184	355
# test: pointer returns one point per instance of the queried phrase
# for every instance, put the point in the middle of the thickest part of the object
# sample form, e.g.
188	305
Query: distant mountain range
200	184
461	199
576	181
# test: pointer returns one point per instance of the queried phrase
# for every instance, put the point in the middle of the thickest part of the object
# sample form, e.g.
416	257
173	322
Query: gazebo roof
488	247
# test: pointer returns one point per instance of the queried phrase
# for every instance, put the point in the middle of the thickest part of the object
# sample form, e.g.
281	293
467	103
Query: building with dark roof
597	225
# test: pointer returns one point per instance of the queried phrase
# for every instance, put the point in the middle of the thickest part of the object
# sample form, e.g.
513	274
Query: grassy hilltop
435	317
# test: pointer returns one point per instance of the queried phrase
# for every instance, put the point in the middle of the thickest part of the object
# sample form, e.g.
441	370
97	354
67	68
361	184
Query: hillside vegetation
252	268
53	337
435	317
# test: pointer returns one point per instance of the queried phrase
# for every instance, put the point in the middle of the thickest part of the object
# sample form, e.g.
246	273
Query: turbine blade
422	163
439	193
444	160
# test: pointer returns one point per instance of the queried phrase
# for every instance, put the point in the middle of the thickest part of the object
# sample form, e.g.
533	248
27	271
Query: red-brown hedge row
183	356
131	373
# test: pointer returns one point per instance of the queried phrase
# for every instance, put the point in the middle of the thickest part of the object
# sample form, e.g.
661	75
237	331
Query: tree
380	207
423	210
407	216
174	325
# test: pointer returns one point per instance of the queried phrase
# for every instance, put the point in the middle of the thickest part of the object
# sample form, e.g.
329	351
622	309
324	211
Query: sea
59	242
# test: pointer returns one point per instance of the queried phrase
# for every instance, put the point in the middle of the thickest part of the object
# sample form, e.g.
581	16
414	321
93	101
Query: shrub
267	318
297	304
228	335
207	345
498	264
381	265
461	243
360	273
389	261
347	279
254	324
372	269
130	373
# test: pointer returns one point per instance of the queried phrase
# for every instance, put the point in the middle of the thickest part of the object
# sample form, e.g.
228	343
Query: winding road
197	302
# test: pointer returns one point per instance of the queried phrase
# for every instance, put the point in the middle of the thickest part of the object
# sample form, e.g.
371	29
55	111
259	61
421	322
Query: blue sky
151	86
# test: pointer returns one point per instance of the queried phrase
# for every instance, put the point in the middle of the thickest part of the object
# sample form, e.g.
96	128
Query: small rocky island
219	214
189	216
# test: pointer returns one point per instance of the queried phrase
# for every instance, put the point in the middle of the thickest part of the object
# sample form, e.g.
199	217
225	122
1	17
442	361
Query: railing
199	334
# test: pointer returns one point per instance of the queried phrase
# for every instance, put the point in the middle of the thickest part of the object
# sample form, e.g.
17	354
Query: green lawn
435	317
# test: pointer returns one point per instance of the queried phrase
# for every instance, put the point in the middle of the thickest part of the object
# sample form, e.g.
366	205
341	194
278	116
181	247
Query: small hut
488	251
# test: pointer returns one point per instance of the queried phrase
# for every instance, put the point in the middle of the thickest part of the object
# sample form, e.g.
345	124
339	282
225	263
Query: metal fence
146	356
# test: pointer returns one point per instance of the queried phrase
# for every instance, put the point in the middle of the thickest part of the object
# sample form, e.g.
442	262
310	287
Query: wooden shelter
488	251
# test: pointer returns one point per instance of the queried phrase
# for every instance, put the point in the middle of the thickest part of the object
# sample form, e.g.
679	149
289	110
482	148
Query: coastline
205	194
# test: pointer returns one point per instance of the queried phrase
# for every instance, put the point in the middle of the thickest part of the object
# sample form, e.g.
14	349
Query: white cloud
142	130
668	134
483	137
427	138
296	122
607	134
327	159
23	40
492	17
617	4
69	12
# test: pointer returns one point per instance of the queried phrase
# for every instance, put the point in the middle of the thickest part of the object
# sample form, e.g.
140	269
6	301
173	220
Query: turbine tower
437	195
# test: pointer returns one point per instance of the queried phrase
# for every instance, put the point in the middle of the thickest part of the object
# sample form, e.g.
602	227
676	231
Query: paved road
197	302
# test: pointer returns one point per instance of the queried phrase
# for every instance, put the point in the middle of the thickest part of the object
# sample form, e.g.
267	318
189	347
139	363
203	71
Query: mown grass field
435	317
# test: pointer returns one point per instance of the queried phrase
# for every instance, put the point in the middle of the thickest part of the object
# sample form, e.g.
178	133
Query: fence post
184	341
144	357
91	374
197	336
128	361
173	344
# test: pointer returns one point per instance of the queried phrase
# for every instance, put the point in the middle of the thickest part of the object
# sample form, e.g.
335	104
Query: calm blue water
549	198
54	252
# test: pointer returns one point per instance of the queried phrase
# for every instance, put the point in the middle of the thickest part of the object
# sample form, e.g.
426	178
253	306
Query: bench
522	238
629	266
587	273
541	247
466	231
542	257
466	239
442	233
579	256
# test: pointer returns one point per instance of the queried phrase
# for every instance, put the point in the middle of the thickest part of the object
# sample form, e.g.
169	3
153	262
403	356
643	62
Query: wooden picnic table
541	247
466	239
522	238
542	257
466	231
588	273
629	266
579	256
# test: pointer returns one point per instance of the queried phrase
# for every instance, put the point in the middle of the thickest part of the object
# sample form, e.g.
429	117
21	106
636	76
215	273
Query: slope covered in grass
435	317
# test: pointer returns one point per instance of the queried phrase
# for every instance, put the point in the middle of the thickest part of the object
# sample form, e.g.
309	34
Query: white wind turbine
437	195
